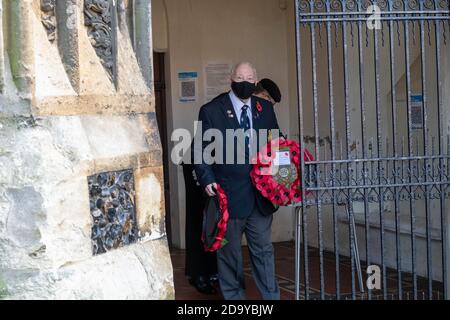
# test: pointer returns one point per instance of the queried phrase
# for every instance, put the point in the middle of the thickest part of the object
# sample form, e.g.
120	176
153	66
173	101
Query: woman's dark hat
272	88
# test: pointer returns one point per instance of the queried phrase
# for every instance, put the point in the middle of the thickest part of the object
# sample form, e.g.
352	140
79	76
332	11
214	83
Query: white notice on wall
217	79
417	111
187	86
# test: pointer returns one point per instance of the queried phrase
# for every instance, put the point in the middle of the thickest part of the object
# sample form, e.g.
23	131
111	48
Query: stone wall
76	103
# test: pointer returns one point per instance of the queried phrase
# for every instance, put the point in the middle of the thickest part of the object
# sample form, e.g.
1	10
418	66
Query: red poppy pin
258	107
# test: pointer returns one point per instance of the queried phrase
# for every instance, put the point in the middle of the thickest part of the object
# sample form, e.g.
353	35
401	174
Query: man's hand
210	189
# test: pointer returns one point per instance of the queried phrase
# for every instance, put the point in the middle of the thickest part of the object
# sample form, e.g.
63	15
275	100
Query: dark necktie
245	124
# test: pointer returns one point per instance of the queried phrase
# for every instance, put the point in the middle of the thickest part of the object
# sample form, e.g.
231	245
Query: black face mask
243	90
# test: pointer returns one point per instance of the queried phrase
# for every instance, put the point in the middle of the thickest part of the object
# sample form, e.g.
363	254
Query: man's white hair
243	63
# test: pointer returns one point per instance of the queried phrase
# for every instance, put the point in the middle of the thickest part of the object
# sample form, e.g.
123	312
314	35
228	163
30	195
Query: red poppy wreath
215	220
276	172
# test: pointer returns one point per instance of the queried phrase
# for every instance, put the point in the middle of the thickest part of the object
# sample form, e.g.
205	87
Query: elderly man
250	213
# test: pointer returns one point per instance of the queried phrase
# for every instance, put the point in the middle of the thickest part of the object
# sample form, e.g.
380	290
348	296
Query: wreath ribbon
220	240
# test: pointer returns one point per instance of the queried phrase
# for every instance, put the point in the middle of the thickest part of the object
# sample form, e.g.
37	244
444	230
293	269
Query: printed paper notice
217	79
282	158
417	111
188	86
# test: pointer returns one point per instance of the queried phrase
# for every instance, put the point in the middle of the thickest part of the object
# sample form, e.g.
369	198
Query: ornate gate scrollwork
373	113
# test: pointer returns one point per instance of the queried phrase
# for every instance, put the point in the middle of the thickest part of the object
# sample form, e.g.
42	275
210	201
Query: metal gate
374	109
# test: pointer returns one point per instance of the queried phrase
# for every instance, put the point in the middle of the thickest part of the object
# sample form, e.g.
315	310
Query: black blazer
234	178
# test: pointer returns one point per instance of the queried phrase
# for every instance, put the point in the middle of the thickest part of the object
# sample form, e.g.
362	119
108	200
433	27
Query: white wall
203	31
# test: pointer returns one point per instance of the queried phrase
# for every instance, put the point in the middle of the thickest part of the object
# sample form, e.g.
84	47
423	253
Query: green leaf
224	242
